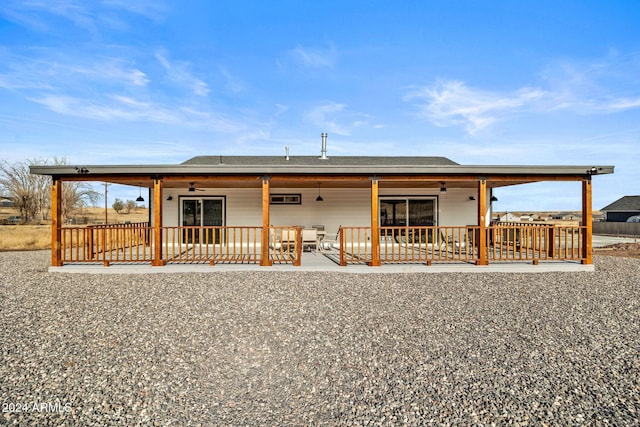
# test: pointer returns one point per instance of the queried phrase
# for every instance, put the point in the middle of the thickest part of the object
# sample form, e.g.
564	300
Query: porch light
493	199
140	199
443	188
471	198
319	198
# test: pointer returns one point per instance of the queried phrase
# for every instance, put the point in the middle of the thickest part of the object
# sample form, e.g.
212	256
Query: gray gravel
270	348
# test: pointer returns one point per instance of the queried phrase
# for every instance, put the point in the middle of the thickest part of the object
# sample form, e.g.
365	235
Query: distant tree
118	205
31	194
76	195
130	205
28	192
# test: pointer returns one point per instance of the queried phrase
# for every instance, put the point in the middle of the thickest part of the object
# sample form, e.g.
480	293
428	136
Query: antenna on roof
323	152
221	161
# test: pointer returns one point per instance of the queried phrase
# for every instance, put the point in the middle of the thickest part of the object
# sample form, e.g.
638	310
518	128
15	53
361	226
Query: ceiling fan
192	187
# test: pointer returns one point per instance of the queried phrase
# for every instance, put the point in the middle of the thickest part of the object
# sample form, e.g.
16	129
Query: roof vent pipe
286	152
324	147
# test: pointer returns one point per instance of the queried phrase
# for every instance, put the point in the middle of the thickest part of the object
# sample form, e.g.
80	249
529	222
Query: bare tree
24	189
31	194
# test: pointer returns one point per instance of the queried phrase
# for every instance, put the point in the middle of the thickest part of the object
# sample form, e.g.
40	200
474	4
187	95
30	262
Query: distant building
566	216
508	217
6	203
622	209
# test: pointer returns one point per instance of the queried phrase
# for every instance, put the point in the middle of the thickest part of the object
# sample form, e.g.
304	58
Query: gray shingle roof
316	161
626	203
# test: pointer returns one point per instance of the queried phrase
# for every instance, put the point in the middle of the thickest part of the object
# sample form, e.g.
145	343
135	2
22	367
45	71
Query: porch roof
313	168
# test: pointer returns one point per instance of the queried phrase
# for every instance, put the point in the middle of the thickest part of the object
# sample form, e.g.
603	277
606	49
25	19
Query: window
285	199
408	211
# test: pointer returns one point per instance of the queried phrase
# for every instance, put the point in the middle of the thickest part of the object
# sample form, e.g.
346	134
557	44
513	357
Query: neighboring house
566	216
622	209
509	217
6	203
242	209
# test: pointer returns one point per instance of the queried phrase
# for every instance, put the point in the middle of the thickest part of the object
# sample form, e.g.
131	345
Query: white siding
347	207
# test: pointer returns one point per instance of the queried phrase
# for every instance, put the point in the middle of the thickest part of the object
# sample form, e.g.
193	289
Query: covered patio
449	236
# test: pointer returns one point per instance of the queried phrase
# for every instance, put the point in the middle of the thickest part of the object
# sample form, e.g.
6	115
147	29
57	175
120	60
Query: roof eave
167	170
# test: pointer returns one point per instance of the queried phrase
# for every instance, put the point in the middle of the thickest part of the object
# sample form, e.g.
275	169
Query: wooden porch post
482	222
264	240
375	230
157	223
56	222
587	221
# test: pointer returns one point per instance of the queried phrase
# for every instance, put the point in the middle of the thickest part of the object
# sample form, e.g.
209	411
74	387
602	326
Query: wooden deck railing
106	244
428	244
511	242
133	243
242	244
508	242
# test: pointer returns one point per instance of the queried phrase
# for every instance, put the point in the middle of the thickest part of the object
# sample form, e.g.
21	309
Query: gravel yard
273	348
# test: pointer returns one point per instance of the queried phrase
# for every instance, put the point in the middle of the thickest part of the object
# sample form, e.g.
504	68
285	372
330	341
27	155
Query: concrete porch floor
312	261
318	262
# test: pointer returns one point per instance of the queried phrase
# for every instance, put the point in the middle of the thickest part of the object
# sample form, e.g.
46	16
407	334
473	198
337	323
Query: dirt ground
631	250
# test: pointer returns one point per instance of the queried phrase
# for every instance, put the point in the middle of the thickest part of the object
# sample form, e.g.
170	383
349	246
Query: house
509	217
6	202
566	216
622	209
364	209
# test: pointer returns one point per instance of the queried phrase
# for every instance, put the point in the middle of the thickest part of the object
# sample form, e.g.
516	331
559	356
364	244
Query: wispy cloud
593	88
336	118
179	73
90	16
596	87
123	108
47	70
453	103
314	57
233	83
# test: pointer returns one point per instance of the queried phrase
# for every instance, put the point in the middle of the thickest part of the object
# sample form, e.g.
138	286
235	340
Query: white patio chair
330	241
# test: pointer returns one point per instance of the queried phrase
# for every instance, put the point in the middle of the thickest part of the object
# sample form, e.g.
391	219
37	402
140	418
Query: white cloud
113	69
453	103
314	57
281	109
91	16
234	84
335	118
52	71
178	72
119	107
608	85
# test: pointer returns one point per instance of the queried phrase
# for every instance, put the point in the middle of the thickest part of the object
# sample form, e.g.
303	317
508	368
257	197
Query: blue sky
494	82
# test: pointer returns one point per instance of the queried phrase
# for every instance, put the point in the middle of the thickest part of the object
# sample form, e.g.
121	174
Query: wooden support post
342	245
157	223
265	260
56	222
587	222
551	242
375	228
298	249
482	222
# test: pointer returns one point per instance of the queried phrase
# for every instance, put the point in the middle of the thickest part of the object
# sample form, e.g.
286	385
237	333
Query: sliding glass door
201	212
